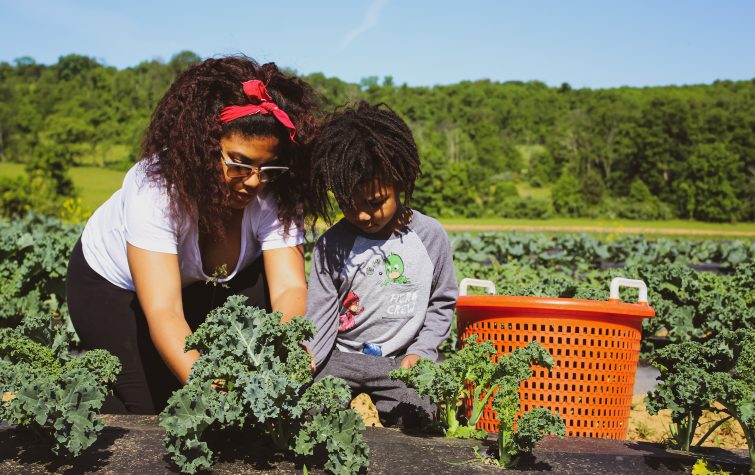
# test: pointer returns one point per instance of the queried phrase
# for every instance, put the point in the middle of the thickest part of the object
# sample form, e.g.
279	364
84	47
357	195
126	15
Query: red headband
261	104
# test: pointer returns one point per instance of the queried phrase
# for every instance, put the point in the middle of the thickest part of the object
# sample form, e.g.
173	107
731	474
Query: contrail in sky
370	21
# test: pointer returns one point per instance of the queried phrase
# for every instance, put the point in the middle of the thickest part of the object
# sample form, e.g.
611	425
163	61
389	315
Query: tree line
646	153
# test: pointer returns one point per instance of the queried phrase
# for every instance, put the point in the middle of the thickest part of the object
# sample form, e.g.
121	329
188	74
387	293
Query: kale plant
446	384
253	374
684	387
46	390
735	389
534	424
34	253
696	375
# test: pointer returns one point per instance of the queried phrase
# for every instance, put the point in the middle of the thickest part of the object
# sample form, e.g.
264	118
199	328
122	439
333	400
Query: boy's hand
409	360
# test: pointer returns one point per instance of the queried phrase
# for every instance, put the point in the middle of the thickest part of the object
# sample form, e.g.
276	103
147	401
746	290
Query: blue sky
593	44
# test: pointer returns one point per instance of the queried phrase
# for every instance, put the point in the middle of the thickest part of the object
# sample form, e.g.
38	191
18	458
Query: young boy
382	287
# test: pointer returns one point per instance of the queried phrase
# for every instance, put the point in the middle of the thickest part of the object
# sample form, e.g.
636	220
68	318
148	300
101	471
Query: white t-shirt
139	214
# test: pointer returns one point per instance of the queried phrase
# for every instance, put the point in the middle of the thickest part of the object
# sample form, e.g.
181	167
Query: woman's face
247	150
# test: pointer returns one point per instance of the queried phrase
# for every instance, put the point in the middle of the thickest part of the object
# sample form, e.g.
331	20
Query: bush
629	208
14	196
44	188
542	168
521	208
708	192
566	196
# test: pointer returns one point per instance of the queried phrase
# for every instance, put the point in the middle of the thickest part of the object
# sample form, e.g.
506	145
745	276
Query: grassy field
679	228
527	191
95	185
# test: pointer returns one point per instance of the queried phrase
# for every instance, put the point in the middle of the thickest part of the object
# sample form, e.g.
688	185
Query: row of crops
702	339
690	304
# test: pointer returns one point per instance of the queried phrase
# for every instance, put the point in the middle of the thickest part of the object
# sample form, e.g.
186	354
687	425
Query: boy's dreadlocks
359	144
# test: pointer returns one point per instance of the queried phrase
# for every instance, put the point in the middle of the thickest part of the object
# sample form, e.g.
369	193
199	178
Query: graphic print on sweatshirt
392	279
351	303
394	270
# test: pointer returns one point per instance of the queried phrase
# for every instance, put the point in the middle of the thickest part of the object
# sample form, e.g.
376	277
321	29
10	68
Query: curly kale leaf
252	335
533	425
735	390
59	398
266	393
445	383
536	424
64	405
254	375
52	331
505	378
515	367
697	306
743	282
190	411
329	394
341	434
16	348
430	380
34	254
745	359
685	385
695	375
531	428
104	366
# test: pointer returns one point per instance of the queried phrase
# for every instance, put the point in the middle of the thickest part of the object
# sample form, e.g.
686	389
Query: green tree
180	62
566	196
712	175
542	168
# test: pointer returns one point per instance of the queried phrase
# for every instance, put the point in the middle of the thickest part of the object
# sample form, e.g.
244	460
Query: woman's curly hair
182	142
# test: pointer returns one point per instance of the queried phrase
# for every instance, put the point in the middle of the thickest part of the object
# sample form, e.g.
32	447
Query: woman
217	198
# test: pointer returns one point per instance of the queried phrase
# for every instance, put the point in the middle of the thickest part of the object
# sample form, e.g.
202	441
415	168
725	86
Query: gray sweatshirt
382	295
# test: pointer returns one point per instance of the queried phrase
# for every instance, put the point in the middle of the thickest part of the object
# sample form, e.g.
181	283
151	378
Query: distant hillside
650	153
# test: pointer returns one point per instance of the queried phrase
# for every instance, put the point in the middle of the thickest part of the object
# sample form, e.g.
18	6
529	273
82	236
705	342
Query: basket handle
467	282
623	282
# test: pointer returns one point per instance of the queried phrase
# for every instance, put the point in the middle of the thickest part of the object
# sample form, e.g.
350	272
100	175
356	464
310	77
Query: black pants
109	317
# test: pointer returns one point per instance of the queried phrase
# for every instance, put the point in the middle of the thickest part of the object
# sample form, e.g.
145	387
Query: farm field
612	226
95	185
700	339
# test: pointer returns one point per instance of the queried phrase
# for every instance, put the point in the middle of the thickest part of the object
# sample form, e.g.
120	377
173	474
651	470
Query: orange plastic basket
595	345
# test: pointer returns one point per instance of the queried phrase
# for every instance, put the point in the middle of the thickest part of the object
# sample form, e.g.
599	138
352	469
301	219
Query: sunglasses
265	174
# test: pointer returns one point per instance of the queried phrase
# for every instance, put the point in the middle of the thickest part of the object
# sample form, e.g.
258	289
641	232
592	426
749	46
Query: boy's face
375	207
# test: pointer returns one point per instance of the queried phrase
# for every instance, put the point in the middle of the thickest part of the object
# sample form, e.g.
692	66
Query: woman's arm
158	287
284	271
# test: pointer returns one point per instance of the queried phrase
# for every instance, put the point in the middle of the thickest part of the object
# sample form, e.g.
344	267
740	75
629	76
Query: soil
134	444
644	427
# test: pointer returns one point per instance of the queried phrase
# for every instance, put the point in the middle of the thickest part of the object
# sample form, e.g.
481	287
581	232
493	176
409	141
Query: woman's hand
284	271
409	361
158	287
312	364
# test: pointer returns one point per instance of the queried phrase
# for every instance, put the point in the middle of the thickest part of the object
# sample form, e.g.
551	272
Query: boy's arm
322	306
442	301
